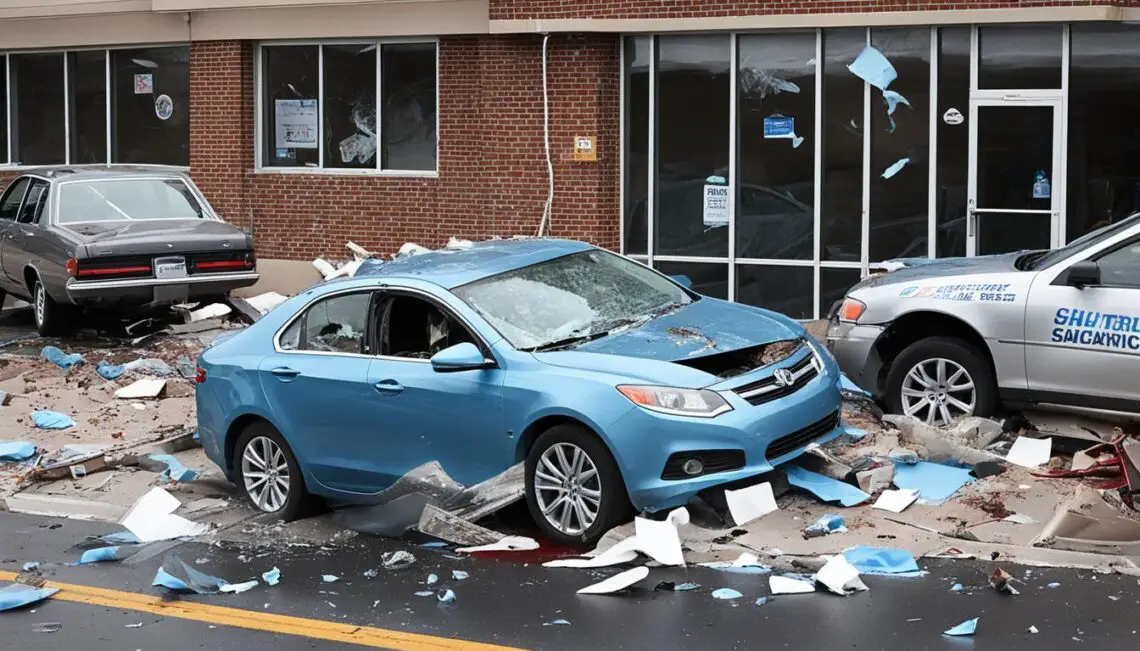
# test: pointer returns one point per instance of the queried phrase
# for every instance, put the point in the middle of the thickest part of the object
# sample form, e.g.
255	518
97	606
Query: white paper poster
716	205
144	84
296	123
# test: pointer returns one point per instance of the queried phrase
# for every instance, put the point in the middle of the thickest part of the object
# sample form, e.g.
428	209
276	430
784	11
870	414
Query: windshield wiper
566	343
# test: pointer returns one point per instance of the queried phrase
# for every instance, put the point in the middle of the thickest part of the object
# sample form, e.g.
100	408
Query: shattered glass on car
333	325
571	299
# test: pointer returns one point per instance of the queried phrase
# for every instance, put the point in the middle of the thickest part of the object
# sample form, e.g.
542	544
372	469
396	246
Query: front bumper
643	441
141	291
853	347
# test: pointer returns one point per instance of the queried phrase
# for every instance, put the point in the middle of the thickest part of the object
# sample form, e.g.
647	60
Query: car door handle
388	387
285	373
28	233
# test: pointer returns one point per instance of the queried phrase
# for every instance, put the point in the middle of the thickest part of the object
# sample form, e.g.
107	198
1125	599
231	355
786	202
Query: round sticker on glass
953	116
163	107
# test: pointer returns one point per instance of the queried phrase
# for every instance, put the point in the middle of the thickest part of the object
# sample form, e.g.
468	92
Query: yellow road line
261	621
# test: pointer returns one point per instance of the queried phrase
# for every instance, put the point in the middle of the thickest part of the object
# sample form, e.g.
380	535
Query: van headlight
851	310
701	403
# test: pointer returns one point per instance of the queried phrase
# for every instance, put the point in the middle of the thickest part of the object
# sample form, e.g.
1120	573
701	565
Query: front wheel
574	488
268	473
941	380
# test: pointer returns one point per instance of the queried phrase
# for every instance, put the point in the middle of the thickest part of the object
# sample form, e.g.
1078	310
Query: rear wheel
268	473
940	380
52	319
574	488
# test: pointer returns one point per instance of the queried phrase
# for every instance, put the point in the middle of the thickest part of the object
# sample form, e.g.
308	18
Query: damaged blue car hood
926	269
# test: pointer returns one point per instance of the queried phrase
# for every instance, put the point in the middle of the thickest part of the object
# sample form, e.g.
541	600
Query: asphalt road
504	602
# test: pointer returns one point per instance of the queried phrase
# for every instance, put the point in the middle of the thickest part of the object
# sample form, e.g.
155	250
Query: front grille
769	389
713	460
802	437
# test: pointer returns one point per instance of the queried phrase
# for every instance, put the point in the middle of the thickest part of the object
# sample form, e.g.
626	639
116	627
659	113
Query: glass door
1015	191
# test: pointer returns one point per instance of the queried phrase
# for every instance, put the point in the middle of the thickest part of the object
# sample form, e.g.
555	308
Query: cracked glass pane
291	83
349	111
409	117
87	81
37	100
150	106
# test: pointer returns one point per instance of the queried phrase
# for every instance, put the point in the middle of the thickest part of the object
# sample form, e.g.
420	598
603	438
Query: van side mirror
1084	273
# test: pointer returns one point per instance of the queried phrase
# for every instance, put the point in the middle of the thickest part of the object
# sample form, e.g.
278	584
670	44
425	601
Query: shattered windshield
128	199
577	296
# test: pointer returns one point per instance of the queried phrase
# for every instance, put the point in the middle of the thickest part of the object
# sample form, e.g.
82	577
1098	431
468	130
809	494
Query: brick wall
492	167
553	9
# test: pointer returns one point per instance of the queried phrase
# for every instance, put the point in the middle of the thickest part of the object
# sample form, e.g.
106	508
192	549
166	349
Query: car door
316	383
27	240
1084	342
455	418
9	210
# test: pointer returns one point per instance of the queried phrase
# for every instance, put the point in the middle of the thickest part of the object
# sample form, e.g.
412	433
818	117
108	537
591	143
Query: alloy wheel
567	488
938	391
40	300
266	474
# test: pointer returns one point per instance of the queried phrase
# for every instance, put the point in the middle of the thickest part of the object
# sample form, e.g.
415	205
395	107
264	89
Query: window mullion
109	89
321	106
66	114
378	102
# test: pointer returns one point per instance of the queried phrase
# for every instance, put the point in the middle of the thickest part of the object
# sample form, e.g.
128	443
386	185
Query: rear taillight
200	376
72	267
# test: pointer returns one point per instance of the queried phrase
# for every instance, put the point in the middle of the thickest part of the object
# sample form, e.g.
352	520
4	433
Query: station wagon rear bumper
141	291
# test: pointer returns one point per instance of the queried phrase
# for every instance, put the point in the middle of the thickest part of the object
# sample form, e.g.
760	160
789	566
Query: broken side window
418	329
409	92
332	325
349	108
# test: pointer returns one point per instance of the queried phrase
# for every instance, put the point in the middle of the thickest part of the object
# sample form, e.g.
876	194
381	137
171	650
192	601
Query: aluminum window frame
7	165
259	105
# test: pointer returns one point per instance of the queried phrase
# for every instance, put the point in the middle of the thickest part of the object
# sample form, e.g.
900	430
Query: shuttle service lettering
1100	329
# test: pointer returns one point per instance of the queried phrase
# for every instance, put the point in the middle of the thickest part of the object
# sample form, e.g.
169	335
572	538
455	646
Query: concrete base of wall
288	277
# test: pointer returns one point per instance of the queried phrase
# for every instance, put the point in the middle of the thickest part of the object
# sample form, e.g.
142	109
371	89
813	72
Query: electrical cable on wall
546	141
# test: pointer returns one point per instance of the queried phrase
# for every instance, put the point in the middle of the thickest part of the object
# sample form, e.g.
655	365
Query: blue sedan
615	385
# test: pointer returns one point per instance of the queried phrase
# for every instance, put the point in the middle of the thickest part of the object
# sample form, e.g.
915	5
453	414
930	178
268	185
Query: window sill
324	171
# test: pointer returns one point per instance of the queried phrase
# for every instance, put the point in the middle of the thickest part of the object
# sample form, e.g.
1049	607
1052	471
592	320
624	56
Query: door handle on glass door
391	387
285	373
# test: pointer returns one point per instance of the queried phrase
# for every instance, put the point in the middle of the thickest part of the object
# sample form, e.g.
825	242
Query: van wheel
52	319
574	488
268	473
941	380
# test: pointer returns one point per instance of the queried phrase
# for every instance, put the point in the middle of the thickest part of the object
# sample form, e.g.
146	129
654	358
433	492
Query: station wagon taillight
72	267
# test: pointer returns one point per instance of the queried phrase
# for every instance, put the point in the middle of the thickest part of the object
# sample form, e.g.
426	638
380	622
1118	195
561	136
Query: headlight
679	402
852	309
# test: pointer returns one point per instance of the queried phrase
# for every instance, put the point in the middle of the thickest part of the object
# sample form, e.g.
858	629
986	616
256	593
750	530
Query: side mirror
683	281
460	357
1084	273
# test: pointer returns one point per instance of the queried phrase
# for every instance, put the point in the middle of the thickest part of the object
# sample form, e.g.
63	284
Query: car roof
451	268
59	173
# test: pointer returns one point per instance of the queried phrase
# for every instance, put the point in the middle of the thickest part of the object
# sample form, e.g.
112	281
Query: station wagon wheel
940	380
268	474
574	487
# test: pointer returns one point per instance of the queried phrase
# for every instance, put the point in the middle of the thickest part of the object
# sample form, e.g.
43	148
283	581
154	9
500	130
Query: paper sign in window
296	123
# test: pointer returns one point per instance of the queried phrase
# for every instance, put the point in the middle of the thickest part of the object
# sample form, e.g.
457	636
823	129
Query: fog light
693	467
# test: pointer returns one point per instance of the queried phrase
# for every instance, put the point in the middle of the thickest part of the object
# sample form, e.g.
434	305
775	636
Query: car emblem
783	377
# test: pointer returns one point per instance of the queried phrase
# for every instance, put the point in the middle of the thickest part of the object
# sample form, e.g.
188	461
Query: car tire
257	441
956	354
52	319
604	489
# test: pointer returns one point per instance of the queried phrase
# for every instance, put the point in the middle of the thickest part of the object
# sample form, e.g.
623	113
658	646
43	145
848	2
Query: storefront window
87	105
953	133
338	125
1104	134
785	289
151	106
775	193
900	147
1019	56
841	215
709	279
408	85
291	83
3	108
693	90
38	104
636	155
